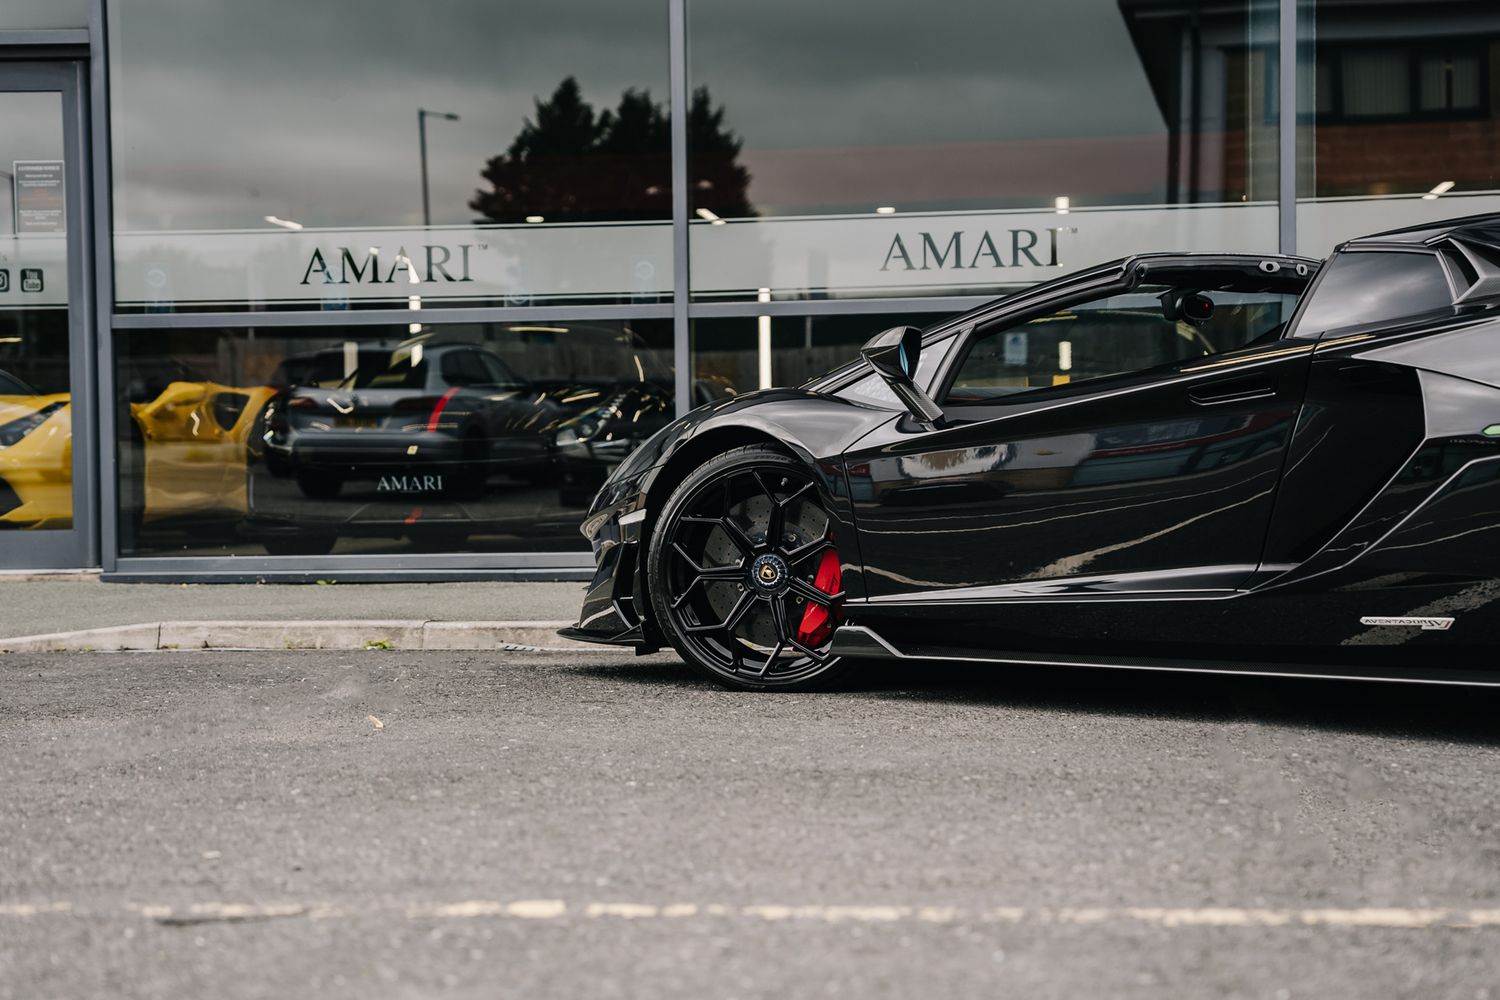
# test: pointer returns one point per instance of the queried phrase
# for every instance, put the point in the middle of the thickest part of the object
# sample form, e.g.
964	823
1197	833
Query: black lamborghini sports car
1221	462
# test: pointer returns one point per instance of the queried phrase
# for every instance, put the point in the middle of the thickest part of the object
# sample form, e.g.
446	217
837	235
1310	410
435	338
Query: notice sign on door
39	196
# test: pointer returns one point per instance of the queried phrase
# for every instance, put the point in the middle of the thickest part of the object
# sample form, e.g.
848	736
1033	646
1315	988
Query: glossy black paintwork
814	426
1360	423
1337	476
1138	480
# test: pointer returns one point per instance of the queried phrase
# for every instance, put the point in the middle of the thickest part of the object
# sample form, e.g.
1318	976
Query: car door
516	416
1111	445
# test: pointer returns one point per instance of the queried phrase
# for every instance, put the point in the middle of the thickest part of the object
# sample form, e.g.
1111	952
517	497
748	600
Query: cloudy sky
224	113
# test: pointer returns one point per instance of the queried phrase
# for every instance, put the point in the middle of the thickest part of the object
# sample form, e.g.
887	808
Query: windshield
403	368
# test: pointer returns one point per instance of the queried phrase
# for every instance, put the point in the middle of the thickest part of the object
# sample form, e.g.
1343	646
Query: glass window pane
1399	133
1376	82
841	148
36	413
1324	87
1448	82
41	15
470	437
332	157
1117	335
1362	288
739	355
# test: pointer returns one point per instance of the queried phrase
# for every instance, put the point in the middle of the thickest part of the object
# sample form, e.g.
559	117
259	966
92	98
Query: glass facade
743	353
43	15
970	146
487	437
408	287
36	467
1398	116
336	156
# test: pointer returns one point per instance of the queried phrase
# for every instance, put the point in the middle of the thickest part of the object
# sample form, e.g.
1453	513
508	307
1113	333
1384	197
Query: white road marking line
1211	917
627	911
524	909
1387	918
830	914
32	909
245	911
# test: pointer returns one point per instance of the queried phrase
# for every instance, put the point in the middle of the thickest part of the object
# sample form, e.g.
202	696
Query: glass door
47	499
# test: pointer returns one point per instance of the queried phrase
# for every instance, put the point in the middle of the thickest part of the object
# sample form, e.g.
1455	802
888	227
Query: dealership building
372	289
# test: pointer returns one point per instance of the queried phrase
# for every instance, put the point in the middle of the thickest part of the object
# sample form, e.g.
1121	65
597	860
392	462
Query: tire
730	600
319	485
277	464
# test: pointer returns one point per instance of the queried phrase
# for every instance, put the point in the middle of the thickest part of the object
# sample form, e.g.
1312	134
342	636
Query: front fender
817	427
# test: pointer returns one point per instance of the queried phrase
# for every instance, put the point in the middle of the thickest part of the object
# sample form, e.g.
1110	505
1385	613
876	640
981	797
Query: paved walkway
282	615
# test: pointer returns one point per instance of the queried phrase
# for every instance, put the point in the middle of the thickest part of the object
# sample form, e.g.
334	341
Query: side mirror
895	354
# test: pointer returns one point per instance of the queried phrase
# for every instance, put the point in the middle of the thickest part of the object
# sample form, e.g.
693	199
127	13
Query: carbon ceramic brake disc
805	521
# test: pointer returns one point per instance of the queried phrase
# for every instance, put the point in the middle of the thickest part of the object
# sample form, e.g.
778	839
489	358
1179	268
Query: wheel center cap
769	574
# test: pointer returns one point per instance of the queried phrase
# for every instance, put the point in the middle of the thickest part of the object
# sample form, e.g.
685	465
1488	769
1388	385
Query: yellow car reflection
194	437
36	461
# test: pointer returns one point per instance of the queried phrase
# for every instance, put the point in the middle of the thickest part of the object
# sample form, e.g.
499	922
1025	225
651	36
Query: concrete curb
358	634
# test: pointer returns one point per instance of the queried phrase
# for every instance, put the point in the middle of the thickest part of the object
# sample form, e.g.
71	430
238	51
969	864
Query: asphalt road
400	825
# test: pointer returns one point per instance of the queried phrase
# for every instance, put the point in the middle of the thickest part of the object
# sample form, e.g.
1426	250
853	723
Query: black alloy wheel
732	570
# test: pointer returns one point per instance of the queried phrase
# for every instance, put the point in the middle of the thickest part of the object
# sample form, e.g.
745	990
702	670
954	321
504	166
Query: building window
1411	82
741	354
1449	82
1396	120
487	437
968	148
1354	83
285	156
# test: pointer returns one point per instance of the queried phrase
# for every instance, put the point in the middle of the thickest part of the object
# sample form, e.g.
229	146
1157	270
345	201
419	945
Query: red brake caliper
817	622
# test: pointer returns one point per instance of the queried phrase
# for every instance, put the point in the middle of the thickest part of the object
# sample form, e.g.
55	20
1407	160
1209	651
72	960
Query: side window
1142	329
496	372
1364	287
463	368
872	388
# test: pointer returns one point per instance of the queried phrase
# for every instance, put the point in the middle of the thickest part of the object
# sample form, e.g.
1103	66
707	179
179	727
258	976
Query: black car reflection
416	419
588	445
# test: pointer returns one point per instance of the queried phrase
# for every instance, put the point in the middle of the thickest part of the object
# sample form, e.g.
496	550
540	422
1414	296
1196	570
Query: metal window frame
681	309
44	38
1286	127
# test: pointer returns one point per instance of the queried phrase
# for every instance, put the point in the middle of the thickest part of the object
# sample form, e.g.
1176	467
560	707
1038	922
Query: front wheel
744	574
